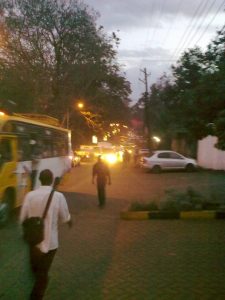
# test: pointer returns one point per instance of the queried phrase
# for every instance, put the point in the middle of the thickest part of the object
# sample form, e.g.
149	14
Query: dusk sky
154	33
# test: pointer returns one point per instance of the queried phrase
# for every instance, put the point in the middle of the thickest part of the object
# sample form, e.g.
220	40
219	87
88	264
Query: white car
168	160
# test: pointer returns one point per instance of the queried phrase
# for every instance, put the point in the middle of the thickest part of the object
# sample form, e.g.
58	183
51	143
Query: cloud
119	14
151	32
146	52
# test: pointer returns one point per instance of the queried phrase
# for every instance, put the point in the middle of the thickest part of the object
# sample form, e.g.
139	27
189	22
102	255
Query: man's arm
93	178
64	212
24	210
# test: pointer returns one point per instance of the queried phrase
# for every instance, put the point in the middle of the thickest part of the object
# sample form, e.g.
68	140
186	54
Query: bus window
5	151
47	148
60	144
24	148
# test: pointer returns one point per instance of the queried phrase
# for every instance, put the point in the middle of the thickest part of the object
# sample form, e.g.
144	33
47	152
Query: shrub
176	201
136	206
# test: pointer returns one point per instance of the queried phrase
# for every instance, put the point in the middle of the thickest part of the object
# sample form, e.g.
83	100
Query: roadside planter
177	205
166	215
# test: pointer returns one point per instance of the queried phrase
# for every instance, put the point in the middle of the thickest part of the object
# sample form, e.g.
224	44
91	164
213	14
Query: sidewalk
114	259
105	258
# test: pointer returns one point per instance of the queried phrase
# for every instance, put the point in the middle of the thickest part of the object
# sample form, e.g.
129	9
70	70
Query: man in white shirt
41	256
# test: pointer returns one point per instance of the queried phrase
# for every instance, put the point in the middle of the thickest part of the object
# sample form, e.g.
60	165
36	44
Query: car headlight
111	158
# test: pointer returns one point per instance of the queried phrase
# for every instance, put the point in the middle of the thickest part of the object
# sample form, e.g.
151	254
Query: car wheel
190	168
156	169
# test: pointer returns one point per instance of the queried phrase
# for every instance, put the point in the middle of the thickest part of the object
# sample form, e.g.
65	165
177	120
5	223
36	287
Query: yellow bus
25	139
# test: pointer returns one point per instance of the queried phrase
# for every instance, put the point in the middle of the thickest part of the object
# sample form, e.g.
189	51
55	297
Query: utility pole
145	81
147	129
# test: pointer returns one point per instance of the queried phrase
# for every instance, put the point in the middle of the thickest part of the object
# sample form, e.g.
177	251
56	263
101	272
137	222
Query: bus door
8	178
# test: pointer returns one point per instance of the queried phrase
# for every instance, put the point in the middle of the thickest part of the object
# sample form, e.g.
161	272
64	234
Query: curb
165	215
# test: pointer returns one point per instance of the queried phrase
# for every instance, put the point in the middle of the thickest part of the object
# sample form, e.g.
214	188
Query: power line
171	24
191	38
189	27
212	19
155	60
158	20
147	36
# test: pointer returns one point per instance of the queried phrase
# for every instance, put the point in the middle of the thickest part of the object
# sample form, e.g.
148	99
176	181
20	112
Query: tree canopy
191	104
52	53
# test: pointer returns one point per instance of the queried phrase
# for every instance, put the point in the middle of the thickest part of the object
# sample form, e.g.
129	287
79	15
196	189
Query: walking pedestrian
42	255
136	156
126	158
101	175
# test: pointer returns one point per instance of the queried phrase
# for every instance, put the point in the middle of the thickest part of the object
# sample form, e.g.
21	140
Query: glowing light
120	155
110	158
157	139
94	139
80	105
2	114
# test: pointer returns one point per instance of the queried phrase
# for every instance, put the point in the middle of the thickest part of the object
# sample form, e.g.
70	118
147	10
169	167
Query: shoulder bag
33	227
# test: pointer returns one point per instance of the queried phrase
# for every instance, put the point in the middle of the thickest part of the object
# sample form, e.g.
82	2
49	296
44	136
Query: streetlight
156	139
80	105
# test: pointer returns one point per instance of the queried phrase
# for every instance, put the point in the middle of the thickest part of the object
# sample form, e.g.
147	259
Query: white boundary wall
209	156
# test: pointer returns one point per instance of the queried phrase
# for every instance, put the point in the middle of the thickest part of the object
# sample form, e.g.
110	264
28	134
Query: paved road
105	258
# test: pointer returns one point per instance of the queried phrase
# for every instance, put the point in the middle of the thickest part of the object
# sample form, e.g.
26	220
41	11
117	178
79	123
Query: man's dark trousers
40	264
101	193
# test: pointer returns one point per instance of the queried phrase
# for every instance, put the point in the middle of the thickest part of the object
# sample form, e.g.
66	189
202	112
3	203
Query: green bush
182	201
176	201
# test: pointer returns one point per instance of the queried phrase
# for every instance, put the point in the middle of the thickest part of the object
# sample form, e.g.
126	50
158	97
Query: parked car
168	160
140	154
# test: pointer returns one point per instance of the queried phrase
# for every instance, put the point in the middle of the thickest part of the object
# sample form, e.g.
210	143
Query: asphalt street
105	258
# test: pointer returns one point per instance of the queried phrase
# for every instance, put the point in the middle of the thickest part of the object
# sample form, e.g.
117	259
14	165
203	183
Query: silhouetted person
126	158
136	156
101	175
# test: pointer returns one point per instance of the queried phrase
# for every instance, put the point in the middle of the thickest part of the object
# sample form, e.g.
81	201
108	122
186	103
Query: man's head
99	158
46	177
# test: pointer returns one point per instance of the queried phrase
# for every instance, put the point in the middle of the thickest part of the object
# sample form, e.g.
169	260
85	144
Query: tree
52	53
185	106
